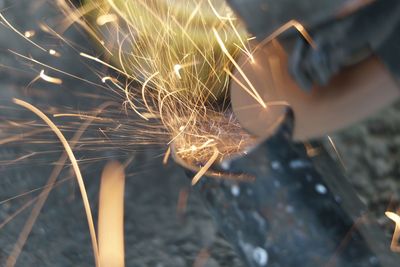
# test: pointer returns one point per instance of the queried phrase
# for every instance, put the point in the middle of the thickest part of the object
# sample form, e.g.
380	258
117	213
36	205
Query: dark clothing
344	33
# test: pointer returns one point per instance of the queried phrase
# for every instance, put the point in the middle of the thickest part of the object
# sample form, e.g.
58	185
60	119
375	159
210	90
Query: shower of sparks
182	52
254	92
395	246
14	255
55	69
42	197
26	36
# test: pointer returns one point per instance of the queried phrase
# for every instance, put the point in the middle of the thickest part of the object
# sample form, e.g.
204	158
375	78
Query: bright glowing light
29	34
395	246
54	53
177	69
49	79
107	18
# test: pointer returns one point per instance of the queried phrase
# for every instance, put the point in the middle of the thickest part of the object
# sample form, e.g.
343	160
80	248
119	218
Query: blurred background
158	232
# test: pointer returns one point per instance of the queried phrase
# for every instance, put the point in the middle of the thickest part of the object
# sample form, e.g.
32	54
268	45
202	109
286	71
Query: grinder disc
352	95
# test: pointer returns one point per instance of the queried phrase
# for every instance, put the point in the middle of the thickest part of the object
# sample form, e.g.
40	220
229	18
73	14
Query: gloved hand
343	42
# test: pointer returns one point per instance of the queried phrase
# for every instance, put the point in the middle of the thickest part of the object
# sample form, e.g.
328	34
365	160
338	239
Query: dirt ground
156	235
370	152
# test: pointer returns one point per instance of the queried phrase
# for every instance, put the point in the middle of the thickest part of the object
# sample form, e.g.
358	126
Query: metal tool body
351	96
353	67
301	210
345	32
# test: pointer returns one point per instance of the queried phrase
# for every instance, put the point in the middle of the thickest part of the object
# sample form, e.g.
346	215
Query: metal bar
300	210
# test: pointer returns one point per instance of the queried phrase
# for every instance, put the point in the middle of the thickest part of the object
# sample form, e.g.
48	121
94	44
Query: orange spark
205	168
19	33
104	63
290	24
107	18
395	246
55	69
166	156
54	53
49	79
111	216
239	69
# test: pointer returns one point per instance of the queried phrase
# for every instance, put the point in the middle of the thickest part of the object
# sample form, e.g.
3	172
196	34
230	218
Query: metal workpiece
299	211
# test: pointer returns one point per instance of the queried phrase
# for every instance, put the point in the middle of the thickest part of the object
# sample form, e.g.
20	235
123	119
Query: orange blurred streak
201	258
182	201
395	246
49	79
19	137
290	24
205	168
166	156
253	91
111	216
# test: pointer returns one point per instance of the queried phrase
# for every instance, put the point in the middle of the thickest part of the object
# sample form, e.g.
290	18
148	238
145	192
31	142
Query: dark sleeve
263	17
389	52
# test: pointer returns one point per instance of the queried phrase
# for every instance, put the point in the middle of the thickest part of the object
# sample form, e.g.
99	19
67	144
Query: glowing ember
29	34
49	79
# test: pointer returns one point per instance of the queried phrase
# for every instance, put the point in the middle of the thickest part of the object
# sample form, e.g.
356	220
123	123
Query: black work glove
344	42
